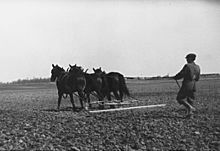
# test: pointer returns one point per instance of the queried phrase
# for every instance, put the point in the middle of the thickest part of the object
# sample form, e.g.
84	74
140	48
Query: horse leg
59	100
100	97
106	93
121	95
72	101
82	98
116	95
88	97
109	96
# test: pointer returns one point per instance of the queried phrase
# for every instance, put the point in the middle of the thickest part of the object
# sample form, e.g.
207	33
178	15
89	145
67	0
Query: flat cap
191	55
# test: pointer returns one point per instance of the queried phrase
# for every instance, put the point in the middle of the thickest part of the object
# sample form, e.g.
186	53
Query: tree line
45	80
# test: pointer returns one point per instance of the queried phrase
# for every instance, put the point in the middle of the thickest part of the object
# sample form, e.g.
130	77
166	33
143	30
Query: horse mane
59	68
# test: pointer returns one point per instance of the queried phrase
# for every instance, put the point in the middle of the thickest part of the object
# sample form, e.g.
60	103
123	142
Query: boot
189	108
190	101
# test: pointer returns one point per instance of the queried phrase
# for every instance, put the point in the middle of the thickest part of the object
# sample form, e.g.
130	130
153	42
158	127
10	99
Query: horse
93	84
68	83
113	82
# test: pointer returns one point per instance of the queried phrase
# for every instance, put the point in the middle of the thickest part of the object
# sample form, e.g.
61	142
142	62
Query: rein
177	83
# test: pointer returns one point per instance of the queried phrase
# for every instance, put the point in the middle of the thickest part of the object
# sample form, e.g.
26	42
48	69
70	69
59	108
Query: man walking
190	74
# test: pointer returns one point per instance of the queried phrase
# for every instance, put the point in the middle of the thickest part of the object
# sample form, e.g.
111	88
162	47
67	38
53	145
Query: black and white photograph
110	75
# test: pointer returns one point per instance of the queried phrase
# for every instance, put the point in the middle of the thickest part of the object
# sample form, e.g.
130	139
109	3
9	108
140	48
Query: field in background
28	119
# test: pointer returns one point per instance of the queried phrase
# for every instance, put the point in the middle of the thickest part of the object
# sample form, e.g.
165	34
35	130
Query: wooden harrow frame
119	106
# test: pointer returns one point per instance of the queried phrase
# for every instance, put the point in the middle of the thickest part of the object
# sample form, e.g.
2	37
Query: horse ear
53	65
93	69
70	65
100	68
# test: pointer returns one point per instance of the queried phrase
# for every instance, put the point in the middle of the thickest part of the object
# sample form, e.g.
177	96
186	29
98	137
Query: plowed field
29	120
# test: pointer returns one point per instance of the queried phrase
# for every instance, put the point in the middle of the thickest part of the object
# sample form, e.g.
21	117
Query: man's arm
181	74
198	73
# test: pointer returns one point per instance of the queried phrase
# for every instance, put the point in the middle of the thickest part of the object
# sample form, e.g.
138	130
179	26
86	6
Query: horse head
99	71
75	69
55	72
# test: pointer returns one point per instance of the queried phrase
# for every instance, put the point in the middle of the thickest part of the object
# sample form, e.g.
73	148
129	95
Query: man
190	74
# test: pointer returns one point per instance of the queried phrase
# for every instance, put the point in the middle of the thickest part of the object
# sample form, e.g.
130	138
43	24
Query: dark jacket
190	74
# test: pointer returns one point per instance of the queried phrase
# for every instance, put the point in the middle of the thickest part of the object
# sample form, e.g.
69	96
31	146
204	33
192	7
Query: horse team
75	79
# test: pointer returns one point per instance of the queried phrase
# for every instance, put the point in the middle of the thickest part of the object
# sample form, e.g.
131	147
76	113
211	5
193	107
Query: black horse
68	83
93	84
113	82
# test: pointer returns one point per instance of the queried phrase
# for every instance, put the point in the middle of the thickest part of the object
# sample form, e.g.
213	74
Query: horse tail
123	85
105	86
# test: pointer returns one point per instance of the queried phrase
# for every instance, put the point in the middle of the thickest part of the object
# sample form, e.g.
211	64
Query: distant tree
34	80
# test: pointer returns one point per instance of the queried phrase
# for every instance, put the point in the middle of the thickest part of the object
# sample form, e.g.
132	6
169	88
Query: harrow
117	105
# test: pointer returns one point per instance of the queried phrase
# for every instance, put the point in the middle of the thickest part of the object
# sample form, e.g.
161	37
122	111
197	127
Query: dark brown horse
93	84
68	83
113	82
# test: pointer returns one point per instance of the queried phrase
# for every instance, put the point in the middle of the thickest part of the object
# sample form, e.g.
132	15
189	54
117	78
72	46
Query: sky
134	37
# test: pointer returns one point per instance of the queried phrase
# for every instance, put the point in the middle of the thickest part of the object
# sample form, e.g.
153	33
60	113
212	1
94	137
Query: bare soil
29	120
